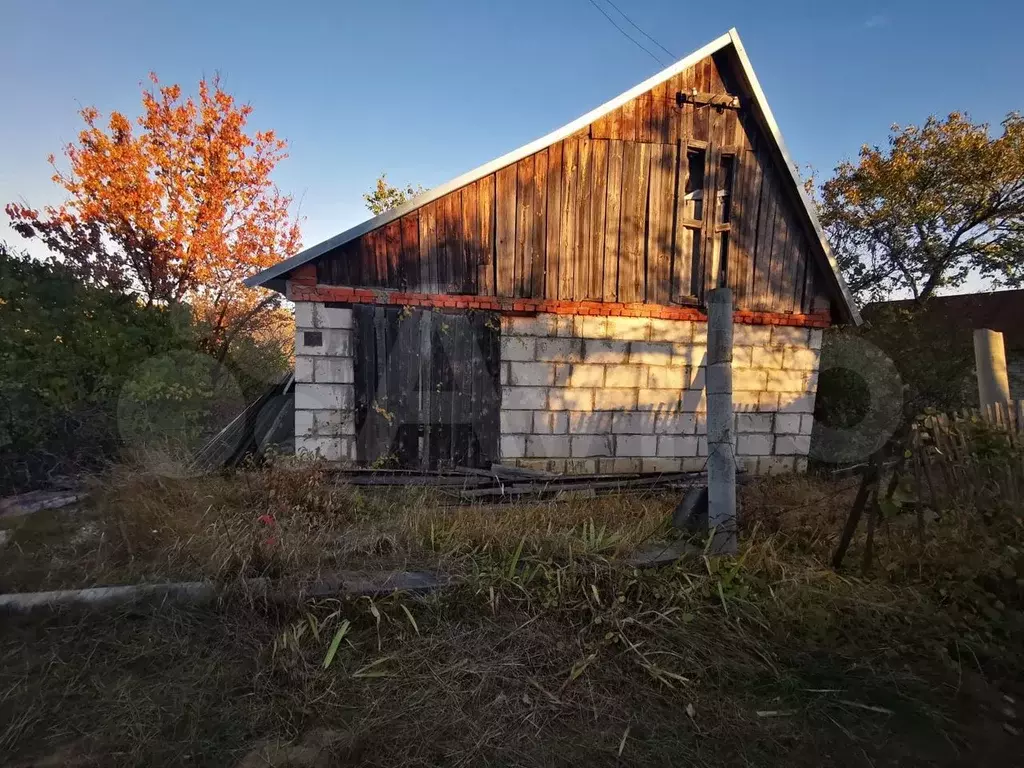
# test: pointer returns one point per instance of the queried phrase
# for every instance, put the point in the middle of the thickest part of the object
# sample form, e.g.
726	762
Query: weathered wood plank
663	106
799	269
582	240
525	221
598	201
710	268
471	254
628	121
807	295
485	202
393	247
750	211
659	226
610	266
540	188
635	176
505	230
780	252
567	234
408	269
645	117
553	220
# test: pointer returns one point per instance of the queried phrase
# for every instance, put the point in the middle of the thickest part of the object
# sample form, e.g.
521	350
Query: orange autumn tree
177	207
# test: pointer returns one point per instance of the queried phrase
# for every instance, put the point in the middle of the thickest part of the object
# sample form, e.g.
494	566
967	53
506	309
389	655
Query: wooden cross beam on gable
703	98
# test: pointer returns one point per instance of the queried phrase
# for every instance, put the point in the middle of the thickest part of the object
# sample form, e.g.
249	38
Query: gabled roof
274	277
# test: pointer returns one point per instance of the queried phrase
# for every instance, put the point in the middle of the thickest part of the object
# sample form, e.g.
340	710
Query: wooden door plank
567	234
659	228
485	200
553	220
505	230
635	177
598	201
610	263
471	254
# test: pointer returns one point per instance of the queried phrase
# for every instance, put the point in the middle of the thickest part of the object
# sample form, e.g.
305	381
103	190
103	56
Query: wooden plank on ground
610	263
659	226
553	220
505	230
635	177
485	203
598	200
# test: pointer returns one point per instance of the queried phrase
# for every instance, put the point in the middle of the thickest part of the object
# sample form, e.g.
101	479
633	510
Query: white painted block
671	330
744	335
332	342
786	335
522	374
605	351
662	465
753	422
560	350
585	327
806	424
742	357
768	401
633	423
660	400
516	422
328	448
636	445
547	446
751	379
595	422
323	396
787	423
677	445
586	375
591	445
550	422
793	403
775	465
767	357
629	328
675	423
672	377
513	446
816	336
623	375
333	317
754	445
524	398
614	399
689	355
792	445
571	399
538	325
334	370
304	369
801	358
650	352
304	315
518	348
305	424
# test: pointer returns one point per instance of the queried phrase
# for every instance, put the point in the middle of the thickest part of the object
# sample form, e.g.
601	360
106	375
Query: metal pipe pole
721	461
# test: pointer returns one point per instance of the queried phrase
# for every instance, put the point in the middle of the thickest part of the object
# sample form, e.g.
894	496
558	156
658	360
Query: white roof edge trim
731	37
773	128
487	168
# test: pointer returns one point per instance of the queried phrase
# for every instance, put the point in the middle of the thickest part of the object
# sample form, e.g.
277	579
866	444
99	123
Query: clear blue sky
428	90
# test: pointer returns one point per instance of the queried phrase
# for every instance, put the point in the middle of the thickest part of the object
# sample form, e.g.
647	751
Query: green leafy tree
384	196
942	201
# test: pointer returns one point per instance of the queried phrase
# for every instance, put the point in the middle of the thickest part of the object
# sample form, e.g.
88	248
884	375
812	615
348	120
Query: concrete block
516	422
305	424
675	423
523	374
621	465
595	422
328	448
513	446
792	445
623	375
753	422
745	401
767	401
636	445
633	422
650	352
751	379
662	464
693	464
605	351
542	465
334	370
747	464
787	423
304	367
702	446
693	401
304	314
806	424
524	398
518	348
786	381
698	378
659	400
800	465
816	337
742	357
314	397
580	467
671	330
570	399
503	375
787	335
564	326
672	377
754	445
700	333
615	399
585	327
767	357
793	403
332	342
586	375
775	465
560	350
801	358
744	335
538	325
547	446
701	426
591	445
562	373
677	445
551	422
629	328
689	355
333	317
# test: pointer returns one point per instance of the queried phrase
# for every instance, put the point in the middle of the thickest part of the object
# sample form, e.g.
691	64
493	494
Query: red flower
267	520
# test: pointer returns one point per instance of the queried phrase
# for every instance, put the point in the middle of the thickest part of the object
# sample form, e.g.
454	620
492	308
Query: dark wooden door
428	390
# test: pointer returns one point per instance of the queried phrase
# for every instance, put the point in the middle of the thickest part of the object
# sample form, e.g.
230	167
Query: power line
638	29
633	40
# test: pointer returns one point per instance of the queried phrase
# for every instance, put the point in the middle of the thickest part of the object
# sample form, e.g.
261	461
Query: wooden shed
547	308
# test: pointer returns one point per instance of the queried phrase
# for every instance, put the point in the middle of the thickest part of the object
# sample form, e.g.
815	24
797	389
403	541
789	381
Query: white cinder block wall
622	394
324	376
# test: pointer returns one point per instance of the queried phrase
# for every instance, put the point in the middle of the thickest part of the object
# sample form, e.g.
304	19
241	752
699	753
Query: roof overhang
274	277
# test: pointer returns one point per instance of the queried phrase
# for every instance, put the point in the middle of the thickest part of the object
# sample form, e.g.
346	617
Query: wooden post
990	364
721	462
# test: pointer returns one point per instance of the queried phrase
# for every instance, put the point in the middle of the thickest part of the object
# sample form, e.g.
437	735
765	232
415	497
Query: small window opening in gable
312	338
694	192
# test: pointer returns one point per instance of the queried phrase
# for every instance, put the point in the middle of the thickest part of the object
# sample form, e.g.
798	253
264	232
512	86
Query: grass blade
412	621
335	642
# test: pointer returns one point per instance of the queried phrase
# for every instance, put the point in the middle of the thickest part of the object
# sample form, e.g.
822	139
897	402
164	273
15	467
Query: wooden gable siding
603	215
